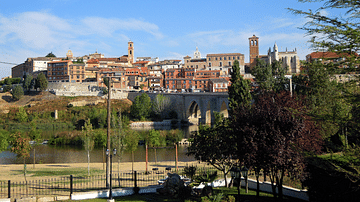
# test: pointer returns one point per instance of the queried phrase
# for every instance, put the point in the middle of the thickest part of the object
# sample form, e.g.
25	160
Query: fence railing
65	186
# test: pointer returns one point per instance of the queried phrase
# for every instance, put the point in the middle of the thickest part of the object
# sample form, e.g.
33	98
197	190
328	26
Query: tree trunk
155	156
279	182
257	175
224	171
88	160
132	165
34	158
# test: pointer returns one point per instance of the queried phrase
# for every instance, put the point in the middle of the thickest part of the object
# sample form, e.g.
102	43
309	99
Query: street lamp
244	172
107	154
235	173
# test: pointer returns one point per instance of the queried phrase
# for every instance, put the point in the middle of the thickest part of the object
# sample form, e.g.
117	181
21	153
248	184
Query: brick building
65	71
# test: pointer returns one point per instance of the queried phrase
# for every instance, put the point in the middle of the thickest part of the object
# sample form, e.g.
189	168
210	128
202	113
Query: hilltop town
193	74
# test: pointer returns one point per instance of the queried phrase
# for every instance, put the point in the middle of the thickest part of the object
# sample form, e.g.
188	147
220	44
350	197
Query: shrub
17	92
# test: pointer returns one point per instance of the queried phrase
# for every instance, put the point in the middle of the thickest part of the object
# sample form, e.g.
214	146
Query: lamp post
111	155
244	172
235	173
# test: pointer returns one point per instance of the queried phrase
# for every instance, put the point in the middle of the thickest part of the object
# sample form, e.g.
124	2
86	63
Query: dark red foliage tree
274	135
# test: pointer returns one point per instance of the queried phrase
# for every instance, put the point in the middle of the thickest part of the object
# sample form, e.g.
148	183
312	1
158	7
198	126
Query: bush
17	92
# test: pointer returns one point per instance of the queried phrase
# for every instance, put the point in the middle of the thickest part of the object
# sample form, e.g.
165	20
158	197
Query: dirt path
14	172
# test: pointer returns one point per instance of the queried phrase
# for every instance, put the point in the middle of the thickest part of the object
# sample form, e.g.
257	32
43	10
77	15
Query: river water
48	154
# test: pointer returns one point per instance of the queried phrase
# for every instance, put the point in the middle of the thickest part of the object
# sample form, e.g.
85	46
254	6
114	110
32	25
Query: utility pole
291	93
108	134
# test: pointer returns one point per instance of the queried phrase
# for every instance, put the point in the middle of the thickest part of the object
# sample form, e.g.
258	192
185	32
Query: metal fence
65	186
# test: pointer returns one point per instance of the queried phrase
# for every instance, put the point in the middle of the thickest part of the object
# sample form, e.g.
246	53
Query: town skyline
168	30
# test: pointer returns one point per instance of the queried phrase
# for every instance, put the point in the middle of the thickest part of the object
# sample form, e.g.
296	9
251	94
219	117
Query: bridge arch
193	113
224	109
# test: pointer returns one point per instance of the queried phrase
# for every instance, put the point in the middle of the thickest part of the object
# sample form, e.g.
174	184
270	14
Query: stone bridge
194	107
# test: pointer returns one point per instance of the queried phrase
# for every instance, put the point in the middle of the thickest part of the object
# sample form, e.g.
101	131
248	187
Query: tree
51	54
161	106
239	91
333	33
331	103
88	140
21	115
21	147
131	144
28	82
269	77
4	140
215	146
140	109
17	92
35	135
275	135
154	139
41	82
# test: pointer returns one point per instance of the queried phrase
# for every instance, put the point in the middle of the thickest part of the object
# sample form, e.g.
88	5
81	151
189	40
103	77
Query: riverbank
14	172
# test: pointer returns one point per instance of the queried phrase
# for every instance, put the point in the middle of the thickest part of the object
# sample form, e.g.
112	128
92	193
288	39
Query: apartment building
65	71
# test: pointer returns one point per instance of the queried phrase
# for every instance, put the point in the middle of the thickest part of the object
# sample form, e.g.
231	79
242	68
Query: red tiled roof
327	55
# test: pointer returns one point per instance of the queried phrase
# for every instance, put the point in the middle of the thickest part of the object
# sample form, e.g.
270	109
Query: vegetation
41	82
51	54
28	81
141	107
17	92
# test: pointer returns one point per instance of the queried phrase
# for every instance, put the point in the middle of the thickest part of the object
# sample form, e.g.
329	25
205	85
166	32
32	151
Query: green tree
161	106
27	82
154	140
51	54
21	115
239	91
141	107
269	77
17	92
35	136
131	144
88	140
216	146
334	33
21	147
41	82
4	140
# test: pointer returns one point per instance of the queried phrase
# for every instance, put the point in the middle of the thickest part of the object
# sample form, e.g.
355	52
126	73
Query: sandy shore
14	172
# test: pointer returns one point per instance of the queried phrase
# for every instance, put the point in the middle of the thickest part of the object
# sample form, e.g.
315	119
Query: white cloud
107	27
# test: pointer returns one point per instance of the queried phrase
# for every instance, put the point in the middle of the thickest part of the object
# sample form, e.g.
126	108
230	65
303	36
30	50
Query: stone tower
130	52
254	49
197	54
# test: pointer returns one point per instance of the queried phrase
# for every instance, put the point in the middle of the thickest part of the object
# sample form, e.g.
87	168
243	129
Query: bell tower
130	52
254	49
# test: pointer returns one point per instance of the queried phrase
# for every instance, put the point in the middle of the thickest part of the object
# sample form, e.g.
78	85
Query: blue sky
159	28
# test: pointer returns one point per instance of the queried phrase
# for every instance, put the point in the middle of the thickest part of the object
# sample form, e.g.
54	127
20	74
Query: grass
250	196
80	172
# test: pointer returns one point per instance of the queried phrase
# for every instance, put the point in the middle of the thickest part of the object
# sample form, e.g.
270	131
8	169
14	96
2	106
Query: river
48	154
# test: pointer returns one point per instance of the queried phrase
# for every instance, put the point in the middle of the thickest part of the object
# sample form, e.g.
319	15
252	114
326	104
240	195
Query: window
229	63
220	58
209	64
216	58
220	64
209	59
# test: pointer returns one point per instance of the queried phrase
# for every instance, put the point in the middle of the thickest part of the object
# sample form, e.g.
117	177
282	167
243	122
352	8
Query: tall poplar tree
239	91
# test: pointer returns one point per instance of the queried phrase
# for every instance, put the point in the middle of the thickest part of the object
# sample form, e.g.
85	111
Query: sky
159	28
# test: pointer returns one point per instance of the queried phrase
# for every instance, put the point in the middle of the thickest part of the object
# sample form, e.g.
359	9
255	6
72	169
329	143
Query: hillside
44	101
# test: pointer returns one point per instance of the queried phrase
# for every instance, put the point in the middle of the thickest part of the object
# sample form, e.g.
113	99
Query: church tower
197	54
130	52
254	50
